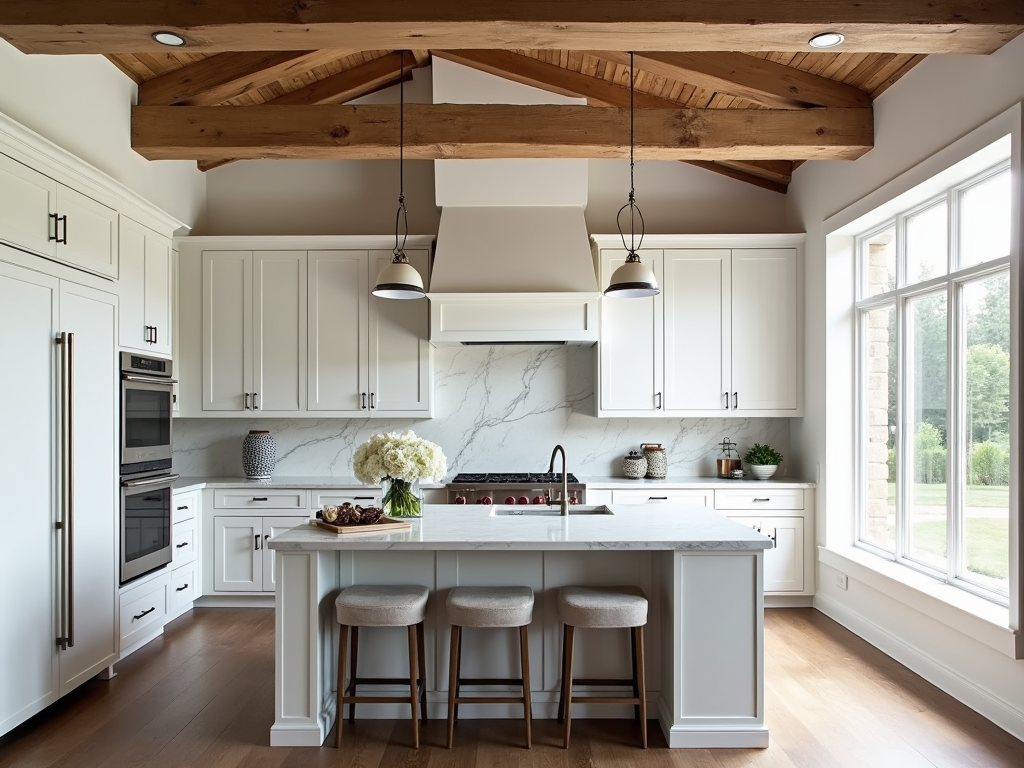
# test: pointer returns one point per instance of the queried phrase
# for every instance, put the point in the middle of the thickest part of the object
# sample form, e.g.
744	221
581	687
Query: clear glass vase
402	498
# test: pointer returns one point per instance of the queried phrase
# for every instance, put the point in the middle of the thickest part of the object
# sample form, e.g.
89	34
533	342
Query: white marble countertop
284	481
671	481
455	527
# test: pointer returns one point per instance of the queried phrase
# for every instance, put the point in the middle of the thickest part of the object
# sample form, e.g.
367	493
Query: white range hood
513	263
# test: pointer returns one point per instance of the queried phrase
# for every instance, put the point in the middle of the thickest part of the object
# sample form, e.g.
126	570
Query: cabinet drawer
767	498
183	586
259	499
660	496
185	506
142	610
368	497
183	535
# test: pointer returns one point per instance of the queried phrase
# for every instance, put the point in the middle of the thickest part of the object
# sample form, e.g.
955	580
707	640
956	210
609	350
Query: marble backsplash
498	408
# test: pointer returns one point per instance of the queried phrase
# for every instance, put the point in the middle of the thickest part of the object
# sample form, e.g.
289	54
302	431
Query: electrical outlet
842	581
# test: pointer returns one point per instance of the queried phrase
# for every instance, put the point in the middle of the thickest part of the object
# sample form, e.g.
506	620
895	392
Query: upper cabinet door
279	330
88	234
337	330
632	375
399	353
227	330
27	198
697	290
158	292
765	346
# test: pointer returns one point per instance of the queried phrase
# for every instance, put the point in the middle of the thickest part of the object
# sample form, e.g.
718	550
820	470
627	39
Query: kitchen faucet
563	510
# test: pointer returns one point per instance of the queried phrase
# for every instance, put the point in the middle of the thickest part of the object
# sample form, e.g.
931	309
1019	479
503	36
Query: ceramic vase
259	454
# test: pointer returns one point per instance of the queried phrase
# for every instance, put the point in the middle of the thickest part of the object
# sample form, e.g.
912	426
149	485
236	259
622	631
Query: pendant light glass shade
400	279
632	280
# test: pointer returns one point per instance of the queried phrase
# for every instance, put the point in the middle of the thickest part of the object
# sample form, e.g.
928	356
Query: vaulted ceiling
730	87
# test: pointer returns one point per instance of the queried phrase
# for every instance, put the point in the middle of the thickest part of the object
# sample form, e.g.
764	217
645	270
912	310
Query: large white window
933	371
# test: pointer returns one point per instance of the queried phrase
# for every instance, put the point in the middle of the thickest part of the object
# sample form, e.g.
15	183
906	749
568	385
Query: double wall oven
146	477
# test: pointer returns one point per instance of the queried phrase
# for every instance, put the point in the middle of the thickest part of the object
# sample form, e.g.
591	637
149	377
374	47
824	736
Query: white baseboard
234	601
789	601
996	709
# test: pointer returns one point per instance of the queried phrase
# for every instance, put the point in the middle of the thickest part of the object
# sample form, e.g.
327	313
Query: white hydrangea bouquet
399	462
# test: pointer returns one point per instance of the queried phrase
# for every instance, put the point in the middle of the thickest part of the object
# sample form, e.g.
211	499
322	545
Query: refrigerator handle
66	524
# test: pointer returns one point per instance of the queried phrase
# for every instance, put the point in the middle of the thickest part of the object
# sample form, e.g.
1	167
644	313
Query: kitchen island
702	574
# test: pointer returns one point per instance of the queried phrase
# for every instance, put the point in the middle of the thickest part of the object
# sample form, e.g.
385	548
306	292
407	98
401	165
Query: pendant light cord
634	210
402	216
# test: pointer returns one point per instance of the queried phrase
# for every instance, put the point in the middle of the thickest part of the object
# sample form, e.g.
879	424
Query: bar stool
488	607
382	606
603	608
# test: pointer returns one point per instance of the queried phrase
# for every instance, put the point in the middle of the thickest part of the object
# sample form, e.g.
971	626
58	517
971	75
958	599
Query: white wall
83	104
939	101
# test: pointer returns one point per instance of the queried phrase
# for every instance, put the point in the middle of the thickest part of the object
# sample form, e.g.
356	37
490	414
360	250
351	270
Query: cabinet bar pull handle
247	401
65	220
362	498
179	546
363	396
67	524
256	544
657	498
726	401
254	396
182	588
658	395
260	498
156	332
56	227
735	400
181	508
139	616
762	499
373	400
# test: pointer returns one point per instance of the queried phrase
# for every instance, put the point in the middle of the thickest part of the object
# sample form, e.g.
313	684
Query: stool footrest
375	700
600	681
381	681
489	700
605	700
491	681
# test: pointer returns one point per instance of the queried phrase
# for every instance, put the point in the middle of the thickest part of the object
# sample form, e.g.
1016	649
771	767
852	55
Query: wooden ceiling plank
733	173
471	131
763	82
216	79
127	64
350	83
780	171
116	26
905	66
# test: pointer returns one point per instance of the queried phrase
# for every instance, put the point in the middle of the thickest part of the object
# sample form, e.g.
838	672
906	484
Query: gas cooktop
504	478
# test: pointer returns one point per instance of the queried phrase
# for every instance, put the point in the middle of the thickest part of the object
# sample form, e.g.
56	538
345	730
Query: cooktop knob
460	499
510	499
485	500
539	500
524	500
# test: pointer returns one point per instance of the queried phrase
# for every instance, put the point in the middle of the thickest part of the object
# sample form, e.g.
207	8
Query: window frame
953	283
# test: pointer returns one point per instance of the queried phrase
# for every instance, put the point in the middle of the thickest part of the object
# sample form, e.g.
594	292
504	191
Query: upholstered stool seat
366	605
482	607
370	605
603	608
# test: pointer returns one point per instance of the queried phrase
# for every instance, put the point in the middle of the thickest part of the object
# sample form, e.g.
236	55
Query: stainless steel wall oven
145	523
146	392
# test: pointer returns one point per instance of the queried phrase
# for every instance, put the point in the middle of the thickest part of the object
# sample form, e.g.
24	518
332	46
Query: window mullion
955	459
904	467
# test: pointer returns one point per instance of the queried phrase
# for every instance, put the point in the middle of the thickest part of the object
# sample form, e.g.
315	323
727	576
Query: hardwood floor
203	695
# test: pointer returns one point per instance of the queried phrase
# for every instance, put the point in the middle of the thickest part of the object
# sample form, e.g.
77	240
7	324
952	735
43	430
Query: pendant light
399	279
632	280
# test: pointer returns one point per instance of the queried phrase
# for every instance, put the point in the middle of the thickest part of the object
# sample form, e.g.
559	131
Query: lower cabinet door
238	554
183	587
272	526
142	611
784	564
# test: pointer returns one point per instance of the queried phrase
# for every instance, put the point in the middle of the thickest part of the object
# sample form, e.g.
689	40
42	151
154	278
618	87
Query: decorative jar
634	466
259	454
657	461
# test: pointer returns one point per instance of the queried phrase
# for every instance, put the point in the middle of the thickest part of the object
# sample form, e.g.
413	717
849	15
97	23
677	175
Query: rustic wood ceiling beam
737	74
469	131
774	175
226	75
897	26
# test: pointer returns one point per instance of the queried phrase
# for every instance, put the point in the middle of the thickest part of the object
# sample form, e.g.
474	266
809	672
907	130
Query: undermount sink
575	509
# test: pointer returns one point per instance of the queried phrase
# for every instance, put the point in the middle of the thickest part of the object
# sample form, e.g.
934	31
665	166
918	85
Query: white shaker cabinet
254	331
145	289
47	217
66	576
241	560
720	339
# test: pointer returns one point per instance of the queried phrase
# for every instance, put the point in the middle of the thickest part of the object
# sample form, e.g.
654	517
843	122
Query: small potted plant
763	461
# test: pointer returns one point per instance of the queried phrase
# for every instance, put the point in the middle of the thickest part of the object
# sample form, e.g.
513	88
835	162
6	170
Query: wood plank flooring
203	695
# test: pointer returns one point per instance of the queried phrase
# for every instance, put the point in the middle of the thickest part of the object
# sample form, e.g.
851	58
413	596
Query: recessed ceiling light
826	40
169	38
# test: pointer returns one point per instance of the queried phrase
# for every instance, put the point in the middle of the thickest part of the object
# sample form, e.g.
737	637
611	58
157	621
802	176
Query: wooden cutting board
388	525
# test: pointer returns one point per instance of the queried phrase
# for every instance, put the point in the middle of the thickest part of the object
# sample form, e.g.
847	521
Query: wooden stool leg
414	697
421	647
570	634
458	675
641	671
453	677
342	656
524	654
636	688
561	689
355	674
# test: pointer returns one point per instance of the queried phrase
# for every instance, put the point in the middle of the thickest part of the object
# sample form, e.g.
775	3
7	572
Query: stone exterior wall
878	362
